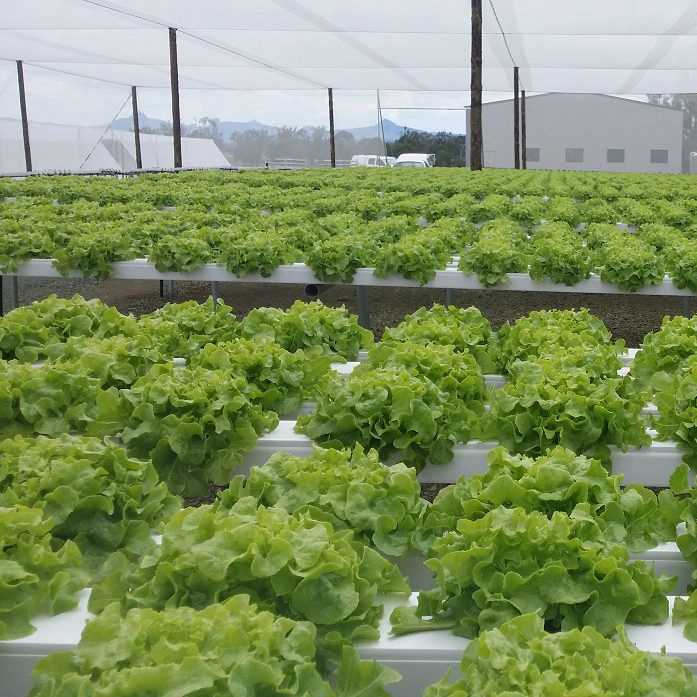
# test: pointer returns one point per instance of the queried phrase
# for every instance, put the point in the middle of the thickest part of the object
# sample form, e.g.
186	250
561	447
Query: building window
532	154
615	155
659	157
574	154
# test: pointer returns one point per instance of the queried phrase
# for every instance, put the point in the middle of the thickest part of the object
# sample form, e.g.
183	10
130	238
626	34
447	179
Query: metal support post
162	289
475	137
516	118
523	131
449	297
170	289
363	296
174	80
136	127
332	141
14	293
687	306
23	112
215	294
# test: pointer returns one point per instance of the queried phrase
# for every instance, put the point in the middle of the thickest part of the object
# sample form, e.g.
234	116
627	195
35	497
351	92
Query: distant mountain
392	130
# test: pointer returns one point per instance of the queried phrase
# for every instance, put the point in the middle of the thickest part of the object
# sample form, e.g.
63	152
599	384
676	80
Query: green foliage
667	349
560	480
258	251
309	324
463	328
629	262
336	260
27	332
547	404
511	562
500	248
231	648
351	489
195	424
37	573
181	329
291	565
520	656
279	380
92	493
391	410
457	374
546	332
45	400
676	400
558	253
181	252
416	256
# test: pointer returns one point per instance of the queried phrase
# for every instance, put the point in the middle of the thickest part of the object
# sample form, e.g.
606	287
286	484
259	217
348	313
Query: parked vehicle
372	161
416	159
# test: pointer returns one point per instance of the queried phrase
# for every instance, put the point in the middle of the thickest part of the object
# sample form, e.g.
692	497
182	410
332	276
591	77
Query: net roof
610	46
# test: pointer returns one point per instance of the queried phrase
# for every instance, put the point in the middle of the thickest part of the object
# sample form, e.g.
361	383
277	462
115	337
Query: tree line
256	147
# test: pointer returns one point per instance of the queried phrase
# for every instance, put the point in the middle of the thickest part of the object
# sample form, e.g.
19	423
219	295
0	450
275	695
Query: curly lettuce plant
558	254
309	324
393	411
29	332
290	564
39	574
350	488
280	380
500	248
464	328
181	329
666	350
416	256
189	652
519	657
455	373
545	405
510	563
550	331
195	424
93	493
559	480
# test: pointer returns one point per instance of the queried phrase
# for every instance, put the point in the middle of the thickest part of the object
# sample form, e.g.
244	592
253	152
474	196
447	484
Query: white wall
79	148
592	122
158	151
53	148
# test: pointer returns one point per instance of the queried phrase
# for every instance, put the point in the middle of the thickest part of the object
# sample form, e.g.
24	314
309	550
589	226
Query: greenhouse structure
488	492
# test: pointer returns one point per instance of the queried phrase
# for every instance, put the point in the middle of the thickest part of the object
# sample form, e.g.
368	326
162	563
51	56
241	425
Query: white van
371	161
416	159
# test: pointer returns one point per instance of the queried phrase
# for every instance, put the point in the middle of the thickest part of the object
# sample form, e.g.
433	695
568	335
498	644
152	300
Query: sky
58	98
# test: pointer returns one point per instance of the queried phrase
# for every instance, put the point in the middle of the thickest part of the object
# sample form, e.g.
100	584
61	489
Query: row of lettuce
269	588
420	391
256	222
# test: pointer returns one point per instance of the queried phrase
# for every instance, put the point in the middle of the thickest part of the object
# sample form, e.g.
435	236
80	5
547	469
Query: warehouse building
588	132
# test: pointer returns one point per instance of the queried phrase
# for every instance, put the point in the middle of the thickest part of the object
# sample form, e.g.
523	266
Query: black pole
523	131
332	142
174	79
475	137
516	118
25	120
136	127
